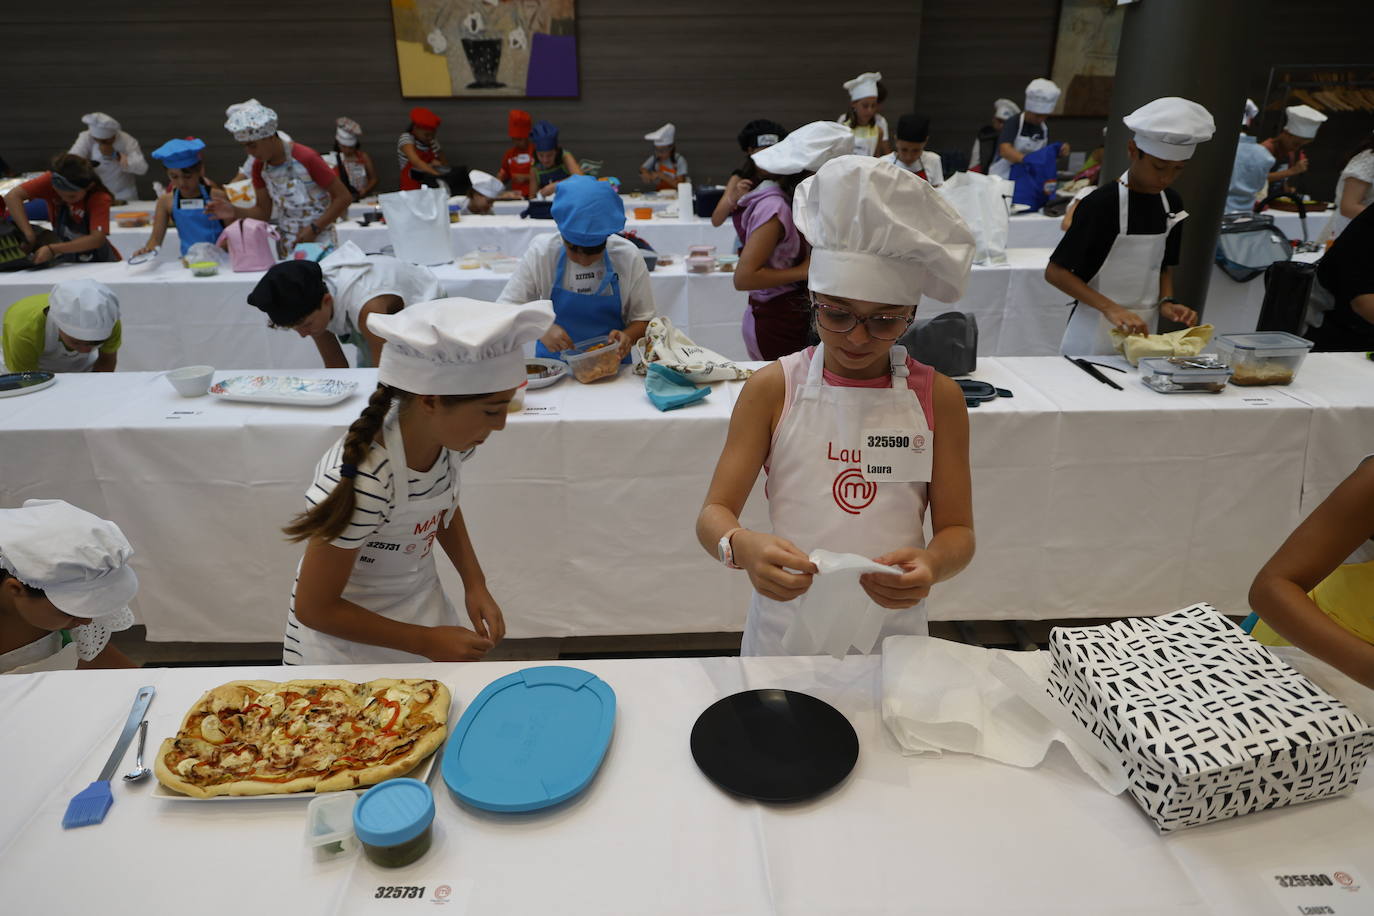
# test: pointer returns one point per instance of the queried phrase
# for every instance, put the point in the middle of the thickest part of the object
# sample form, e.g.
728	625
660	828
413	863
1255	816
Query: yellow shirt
25	331
1346	596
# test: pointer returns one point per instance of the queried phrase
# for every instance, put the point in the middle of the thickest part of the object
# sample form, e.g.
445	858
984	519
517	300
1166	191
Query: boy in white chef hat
866	95
486	188
1028	131
1300	126
73	328
367	589
117	156
665	169
65	586
1117	257
881	239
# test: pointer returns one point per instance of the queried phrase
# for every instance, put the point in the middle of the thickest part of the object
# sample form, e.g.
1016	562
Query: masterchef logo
852	493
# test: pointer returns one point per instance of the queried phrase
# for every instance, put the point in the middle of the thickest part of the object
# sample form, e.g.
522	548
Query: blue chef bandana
587	211
179	154
544	136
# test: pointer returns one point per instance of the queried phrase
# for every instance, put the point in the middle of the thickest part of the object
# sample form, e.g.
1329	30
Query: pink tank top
920	379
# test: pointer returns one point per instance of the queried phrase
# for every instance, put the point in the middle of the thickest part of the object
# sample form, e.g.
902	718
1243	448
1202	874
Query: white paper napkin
945	696
836	613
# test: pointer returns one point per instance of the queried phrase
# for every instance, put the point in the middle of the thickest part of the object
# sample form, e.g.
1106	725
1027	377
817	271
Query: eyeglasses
842	321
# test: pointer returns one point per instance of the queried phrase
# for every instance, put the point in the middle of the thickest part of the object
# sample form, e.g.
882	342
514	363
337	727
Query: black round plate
774	745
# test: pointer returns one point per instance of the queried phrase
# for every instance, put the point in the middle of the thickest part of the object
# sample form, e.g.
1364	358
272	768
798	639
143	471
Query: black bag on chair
948	343
1287	290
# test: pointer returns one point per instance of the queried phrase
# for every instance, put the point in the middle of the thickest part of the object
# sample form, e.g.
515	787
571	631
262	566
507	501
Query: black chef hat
913	128
289	292
770	131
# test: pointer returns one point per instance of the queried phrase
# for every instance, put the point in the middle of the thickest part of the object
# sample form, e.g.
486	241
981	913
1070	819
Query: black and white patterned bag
1209	723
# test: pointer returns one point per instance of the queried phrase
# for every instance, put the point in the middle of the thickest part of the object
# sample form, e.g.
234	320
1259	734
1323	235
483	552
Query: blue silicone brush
91	804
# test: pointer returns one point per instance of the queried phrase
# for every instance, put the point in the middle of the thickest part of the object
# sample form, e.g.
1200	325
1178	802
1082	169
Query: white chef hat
1303	121
250	120
806	149
1005	109
458	346
664	136
1041	96
1251	109
1170	128
485	184
880	233
101	125
85	309
80	560
863	86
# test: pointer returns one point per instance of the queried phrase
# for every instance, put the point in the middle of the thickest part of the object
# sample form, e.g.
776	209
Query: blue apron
195	224
585	315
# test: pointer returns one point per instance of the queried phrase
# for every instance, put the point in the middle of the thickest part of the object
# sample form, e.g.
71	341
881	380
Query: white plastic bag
983	202
836	613
418	224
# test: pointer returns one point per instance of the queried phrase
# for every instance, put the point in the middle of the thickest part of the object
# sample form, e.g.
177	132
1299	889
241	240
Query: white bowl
191	381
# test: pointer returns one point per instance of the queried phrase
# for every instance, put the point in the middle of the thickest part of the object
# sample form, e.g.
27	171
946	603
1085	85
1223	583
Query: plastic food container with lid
702	251
701	263
329	822
1183	375
394	820
592	359
1264	357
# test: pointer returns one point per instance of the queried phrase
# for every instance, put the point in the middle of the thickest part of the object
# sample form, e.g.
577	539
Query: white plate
30	389
557	370
284	389
421	773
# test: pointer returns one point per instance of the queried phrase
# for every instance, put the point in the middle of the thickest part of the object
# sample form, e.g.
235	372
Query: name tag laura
897	455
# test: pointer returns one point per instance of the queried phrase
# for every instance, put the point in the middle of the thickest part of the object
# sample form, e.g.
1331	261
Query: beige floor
996	634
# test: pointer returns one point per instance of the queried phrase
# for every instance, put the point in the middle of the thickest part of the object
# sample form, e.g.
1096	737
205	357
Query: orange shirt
93	209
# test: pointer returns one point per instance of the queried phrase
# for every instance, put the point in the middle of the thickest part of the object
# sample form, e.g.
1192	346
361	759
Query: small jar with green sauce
394	820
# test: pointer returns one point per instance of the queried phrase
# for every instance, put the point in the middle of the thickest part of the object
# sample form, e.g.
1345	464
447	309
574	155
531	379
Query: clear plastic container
394	821
702	251
700	264
517	401
594	359
1184	375
329	823
1264	357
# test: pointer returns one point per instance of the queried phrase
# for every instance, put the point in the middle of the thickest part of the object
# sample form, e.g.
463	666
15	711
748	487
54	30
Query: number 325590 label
896	455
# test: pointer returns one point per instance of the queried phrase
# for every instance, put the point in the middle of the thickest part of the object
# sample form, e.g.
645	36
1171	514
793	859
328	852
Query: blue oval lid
530	739
393	812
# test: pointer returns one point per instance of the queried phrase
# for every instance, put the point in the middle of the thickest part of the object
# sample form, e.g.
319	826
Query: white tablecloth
651	834
1088	501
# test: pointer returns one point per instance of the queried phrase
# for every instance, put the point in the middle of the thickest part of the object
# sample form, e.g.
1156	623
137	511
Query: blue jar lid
393	812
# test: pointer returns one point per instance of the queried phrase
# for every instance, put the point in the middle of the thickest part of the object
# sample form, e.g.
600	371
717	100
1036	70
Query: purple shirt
756	208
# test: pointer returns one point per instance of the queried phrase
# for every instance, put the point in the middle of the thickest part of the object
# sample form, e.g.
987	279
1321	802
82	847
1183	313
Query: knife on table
1093	371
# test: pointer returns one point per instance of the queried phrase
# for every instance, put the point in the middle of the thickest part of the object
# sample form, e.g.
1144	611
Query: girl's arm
951	512
483	611
768	559
1351	196
161	216
1321	543
370	182
88	242
735	188
571	164
752	273
14	205
415	161
320	605
110	657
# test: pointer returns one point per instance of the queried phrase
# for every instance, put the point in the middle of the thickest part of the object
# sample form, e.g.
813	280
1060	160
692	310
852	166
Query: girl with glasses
858	440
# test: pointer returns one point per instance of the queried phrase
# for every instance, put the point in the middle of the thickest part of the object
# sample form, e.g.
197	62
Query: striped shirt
408	139
373	488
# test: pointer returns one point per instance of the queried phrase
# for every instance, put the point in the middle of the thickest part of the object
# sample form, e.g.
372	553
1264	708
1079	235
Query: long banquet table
172	319
1088	501
650	834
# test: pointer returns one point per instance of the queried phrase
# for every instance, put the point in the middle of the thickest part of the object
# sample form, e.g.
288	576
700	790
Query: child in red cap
418	150
515	165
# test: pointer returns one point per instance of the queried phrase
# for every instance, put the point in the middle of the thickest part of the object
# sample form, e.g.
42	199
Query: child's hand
1127	321
1177	311
220	209
485	614
456	644
897	592
556	339
622	342
742	187
769	561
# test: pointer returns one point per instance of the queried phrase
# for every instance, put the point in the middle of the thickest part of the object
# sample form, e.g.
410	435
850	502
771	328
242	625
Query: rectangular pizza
318	735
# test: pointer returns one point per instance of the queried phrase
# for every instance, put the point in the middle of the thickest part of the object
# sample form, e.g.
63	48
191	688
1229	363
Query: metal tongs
1205	361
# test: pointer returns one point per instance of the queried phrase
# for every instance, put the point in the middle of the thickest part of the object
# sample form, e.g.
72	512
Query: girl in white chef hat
367	589
65	586
857	439
866	95
666	168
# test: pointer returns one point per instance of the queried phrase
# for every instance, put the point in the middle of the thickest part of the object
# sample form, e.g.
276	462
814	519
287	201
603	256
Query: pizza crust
232	696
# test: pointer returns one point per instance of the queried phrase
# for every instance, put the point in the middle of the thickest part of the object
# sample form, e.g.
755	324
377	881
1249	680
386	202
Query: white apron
1022	144
57	358
1129	277
394	575
818	499
296	200
43	654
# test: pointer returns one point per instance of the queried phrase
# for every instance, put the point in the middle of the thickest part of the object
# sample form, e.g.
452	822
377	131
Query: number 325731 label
896	455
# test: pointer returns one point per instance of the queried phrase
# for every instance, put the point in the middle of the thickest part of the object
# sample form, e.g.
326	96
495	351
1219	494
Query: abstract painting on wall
1085	49
484	48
